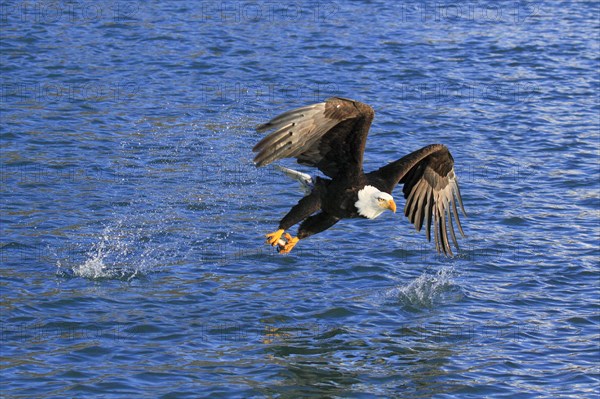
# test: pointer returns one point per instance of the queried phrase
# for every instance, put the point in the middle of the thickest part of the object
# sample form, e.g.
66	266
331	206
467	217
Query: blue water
133	219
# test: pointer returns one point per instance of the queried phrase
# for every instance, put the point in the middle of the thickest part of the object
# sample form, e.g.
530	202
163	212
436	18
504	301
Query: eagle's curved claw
291	243
273	238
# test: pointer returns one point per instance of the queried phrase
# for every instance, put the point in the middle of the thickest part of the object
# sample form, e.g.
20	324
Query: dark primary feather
431	191
330	136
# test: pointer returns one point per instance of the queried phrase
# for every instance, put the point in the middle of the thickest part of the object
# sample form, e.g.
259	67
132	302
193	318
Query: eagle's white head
372	202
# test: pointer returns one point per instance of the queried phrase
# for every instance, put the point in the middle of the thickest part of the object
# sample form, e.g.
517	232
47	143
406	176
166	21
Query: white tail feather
306	182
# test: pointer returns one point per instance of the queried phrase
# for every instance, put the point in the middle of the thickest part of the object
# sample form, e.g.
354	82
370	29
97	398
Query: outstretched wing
330	136
431	191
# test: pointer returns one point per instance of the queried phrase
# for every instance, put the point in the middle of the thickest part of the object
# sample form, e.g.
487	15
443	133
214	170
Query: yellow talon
291	242
274	237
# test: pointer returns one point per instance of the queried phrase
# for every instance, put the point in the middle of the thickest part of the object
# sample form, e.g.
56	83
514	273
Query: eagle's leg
304	208
312	225
288	245
316	224
274	237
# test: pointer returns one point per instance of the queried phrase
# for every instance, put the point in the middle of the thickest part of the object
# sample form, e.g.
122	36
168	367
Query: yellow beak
392	206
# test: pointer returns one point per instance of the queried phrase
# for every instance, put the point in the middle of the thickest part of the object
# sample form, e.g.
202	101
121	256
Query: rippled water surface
132	222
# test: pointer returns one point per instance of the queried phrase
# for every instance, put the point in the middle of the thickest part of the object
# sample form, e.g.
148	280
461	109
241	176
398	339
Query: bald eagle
331	136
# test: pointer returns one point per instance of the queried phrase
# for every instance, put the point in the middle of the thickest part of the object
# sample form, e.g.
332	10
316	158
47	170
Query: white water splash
102	260
121	252
428	290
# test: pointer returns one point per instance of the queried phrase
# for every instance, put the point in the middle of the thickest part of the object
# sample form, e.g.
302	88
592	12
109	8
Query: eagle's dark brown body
332	136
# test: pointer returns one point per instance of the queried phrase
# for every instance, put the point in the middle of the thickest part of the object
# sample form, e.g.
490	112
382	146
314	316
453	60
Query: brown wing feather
431	191
330	136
